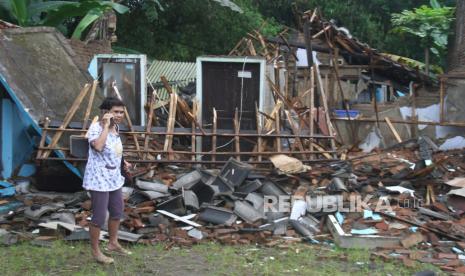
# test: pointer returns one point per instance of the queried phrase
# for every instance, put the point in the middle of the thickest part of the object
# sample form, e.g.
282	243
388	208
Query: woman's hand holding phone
108	120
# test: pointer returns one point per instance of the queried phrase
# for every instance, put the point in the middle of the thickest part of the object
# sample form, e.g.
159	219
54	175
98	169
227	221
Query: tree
430	24
85	12
27	12
369	21
56	13
183	30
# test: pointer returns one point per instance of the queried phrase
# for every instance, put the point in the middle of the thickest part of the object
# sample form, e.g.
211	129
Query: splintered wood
173	133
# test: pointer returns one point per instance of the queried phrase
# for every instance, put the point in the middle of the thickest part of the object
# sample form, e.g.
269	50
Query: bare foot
117	248
101	258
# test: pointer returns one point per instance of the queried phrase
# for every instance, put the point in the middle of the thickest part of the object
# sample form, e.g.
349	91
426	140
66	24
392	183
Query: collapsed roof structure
281	117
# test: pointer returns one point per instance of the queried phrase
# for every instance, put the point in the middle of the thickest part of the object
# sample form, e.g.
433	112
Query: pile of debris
407	200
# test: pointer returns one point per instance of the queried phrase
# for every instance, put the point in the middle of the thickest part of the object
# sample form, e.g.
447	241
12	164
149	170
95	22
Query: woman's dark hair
109	102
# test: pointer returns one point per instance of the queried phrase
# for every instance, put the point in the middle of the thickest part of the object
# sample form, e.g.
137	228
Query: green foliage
92	10
28	12
369	21
55	13
186	29
430	24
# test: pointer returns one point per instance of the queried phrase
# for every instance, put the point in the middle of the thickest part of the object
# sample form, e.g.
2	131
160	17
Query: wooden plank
89	104
220	132
131	127
193	137
214	137
321	32
236	47
148	126
322	150
251	48
182	219
308	42
263	44
319	150
325	105
393	129
312	105
74	107
184	113
278	131
94	120
296	132
43	137
237	145
269	123
342	94
259	131
128	120
170	125
441	99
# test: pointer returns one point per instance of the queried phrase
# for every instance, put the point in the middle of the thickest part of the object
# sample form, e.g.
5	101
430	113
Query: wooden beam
170	124
215	122
325	105
148	127
296	132
43	137
74	107
236	137
259	131
89	104
278	130
193	137
312	104
393	129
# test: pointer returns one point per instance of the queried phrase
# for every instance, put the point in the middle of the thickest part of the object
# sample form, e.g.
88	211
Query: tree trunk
456	57
427	61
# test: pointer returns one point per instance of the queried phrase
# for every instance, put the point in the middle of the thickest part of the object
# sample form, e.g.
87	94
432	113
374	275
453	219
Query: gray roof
38	65
176	72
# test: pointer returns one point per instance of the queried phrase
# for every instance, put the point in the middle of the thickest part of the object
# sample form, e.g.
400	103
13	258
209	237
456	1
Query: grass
204	259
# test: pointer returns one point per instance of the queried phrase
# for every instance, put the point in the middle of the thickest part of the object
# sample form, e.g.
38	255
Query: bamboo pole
214	137
67	119
89	105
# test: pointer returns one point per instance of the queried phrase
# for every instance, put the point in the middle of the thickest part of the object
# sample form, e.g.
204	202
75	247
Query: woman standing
103	179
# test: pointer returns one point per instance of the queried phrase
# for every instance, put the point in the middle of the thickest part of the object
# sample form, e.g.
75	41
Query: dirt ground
203	259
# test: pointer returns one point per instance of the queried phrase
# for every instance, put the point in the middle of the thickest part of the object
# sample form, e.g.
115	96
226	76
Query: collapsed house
366	89
274	122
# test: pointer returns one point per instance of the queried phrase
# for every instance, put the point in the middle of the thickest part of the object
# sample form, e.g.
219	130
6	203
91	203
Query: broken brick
433	239
438	206
461	245
447	256
145	209
408	262
417	255
382	226
447	268
454	263
460	269
412	240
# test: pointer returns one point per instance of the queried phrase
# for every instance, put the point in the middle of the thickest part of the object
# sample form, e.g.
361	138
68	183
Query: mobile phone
112	121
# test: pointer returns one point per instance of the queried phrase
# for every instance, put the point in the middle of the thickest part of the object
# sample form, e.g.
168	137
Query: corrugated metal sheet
175	72
178	74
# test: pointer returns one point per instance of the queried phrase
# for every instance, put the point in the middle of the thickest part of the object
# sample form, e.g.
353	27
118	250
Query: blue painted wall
24	125
17	144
